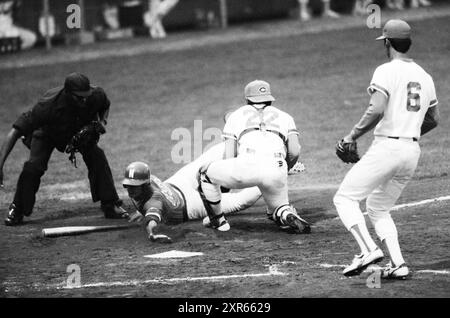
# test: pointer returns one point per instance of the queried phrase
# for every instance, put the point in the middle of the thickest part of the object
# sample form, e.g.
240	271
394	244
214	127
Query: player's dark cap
78	84
395	29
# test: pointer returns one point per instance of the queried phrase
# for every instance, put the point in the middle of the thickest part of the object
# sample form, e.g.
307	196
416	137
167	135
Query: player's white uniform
383	172
261	135
186	179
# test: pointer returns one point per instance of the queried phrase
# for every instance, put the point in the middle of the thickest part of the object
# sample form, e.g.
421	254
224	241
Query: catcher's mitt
347	151
84	139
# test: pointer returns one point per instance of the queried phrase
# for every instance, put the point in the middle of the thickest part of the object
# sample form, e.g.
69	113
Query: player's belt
393	137
275	154
283	138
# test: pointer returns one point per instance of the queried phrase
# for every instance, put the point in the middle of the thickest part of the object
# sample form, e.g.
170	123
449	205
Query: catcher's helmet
136	174
258	92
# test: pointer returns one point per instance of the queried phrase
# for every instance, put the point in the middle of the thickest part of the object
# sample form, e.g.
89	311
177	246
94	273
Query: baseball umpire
63	118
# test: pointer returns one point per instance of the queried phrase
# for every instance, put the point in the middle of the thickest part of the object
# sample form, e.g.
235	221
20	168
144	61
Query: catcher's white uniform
186	179
261	135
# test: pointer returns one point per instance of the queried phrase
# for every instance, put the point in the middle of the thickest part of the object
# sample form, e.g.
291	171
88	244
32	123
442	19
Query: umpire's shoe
14	217
114	211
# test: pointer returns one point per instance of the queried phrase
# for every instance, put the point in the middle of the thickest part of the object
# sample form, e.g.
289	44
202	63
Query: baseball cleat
221	224
305	16
362	261
206	222
14	217
391	272
224	226
298	224
331	14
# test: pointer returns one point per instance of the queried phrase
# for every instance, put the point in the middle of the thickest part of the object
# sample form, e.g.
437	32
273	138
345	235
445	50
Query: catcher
71	119
177	199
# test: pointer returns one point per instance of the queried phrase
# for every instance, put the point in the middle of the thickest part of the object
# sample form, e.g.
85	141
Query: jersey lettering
261	118
413	100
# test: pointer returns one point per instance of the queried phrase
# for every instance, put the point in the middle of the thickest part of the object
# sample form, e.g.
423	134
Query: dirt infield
254	259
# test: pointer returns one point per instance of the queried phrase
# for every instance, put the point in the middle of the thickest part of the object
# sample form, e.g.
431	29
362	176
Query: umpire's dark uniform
50	124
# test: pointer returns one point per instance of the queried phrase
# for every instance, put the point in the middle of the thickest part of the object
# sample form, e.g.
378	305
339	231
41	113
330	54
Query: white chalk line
412	204
430	271
273	271
418	203
371	268
407	205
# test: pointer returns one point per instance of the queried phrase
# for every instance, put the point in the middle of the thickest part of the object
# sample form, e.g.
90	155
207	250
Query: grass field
321	80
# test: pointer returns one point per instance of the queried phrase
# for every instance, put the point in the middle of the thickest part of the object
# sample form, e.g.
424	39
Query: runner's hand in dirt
153	237
160	238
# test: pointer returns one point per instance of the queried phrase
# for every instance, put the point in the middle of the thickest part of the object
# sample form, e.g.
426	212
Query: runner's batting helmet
136	174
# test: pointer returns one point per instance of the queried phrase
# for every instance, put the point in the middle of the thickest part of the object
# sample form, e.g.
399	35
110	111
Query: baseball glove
87	137
347	151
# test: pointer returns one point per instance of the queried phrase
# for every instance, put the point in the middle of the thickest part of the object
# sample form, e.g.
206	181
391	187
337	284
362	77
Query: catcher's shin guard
211	196
287	218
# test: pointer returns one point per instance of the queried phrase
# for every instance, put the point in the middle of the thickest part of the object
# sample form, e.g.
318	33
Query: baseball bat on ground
77	230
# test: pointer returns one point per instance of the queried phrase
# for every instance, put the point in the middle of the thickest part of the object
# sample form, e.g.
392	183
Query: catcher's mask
136	174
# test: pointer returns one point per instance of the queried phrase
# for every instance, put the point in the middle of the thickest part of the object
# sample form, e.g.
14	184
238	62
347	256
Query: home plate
174	254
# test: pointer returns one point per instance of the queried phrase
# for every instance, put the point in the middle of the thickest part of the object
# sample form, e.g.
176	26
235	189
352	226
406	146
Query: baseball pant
186	179
99	174
380	176
267	172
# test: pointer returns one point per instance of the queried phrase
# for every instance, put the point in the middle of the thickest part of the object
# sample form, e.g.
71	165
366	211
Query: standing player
261	145
177	199
8	10
403	106
327	12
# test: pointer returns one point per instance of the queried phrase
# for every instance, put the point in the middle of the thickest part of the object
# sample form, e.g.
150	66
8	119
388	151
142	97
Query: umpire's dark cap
78	84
